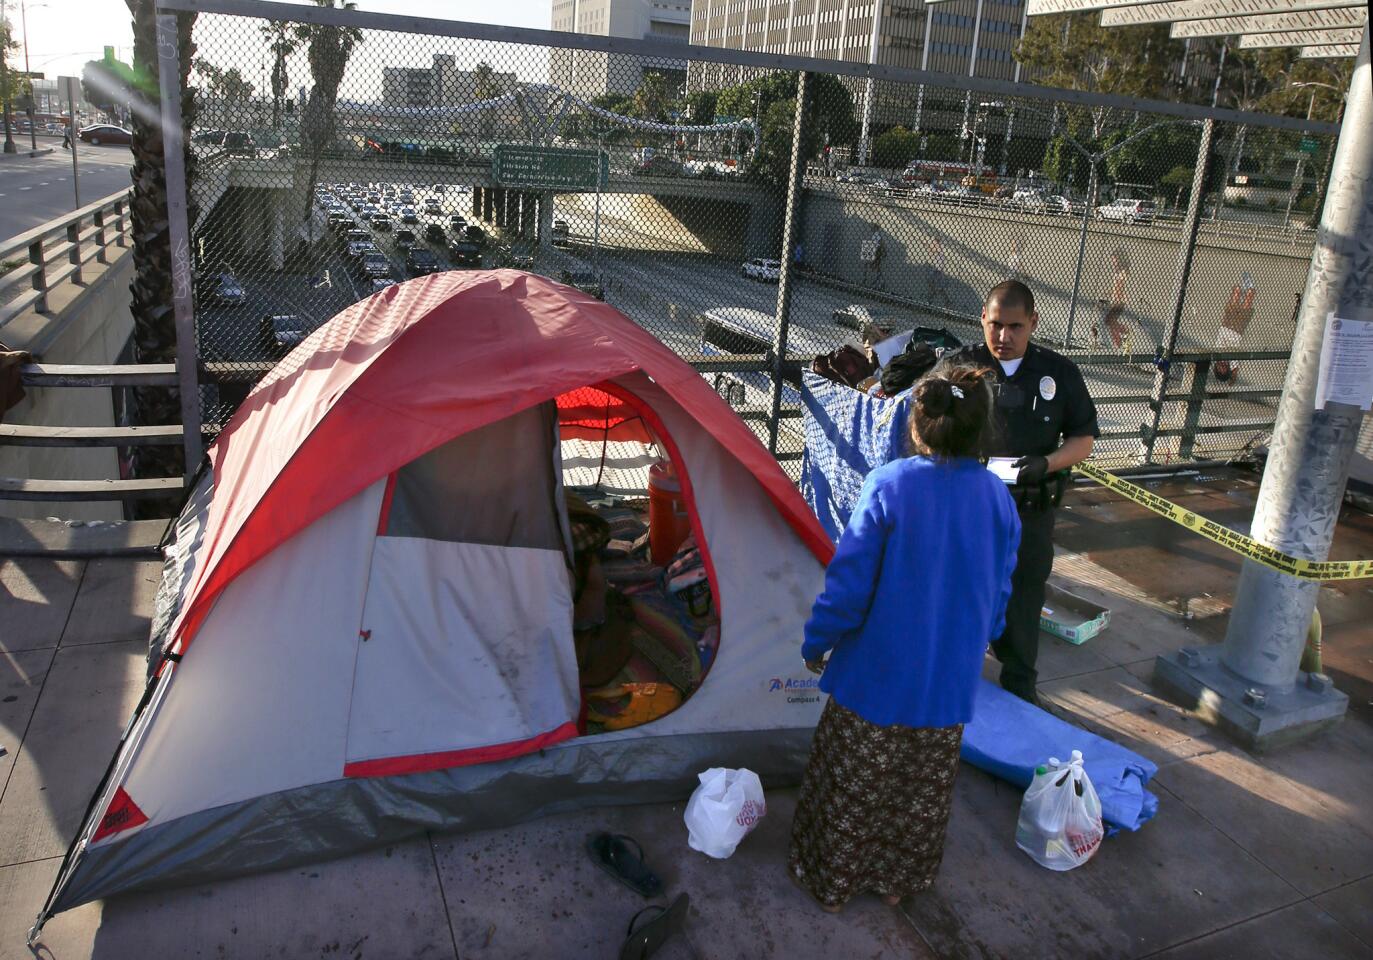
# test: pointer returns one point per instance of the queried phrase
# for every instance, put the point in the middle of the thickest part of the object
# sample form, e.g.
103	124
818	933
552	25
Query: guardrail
58	251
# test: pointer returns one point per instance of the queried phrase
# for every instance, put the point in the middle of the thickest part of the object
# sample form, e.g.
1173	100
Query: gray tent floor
1248	857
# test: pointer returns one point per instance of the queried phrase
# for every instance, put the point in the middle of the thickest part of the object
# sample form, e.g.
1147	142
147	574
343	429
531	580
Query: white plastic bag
723	810
1060	817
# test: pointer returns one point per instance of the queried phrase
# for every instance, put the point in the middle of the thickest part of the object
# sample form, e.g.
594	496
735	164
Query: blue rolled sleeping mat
847	435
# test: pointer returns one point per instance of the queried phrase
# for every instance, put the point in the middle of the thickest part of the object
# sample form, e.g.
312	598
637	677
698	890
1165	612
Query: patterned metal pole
1308	464
168	55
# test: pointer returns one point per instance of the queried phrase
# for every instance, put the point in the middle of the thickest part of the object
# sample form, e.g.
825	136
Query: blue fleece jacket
915	592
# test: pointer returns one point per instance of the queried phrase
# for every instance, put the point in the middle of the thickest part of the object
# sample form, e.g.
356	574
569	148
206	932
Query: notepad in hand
1002	467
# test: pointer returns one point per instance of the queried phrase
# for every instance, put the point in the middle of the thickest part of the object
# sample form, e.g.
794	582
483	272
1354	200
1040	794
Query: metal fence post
74	254
100	241
1196	397
1081	252
784	280
173	151
1185	253
119	226
38	257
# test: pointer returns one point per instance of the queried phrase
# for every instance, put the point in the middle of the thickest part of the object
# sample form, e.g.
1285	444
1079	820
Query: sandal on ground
642	942
623	859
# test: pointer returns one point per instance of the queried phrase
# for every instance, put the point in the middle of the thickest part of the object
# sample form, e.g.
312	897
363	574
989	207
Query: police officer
1046	420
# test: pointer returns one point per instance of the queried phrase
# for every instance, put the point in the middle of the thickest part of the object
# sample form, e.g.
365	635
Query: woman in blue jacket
915	592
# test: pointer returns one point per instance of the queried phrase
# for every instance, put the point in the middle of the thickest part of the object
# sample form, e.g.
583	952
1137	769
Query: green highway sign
549	168
1309	145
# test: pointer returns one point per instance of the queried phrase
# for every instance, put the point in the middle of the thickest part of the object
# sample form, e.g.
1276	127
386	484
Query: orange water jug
668	522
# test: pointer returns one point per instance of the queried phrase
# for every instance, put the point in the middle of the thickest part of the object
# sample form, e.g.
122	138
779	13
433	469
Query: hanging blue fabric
848	434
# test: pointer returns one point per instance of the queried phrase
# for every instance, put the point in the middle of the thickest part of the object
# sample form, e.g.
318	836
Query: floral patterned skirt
873	807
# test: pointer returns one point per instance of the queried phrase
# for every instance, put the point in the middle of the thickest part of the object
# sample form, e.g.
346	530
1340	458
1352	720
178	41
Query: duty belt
1044	495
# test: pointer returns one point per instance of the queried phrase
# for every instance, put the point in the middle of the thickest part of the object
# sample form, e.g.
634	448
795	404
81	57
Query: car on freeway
213	138
1127	211
769	271
240	143
457	223
342	221
409	215
475	234
853	317
381	283
405	239
433	208
1062	205
99	133
282	331
433	232
381	222
584	280
560	232
356	233
1031	201
374	264
659	166
368	212
421	261
465	253
226	290
361	248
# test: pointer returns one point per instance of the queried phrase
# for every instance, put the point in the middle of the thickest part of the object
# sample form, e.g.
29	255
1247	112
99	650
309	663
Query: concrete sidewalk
1252	857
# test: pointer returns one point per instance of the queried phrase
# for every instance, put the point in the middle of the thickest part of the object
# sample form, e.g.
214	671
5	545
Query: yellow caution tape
1230	539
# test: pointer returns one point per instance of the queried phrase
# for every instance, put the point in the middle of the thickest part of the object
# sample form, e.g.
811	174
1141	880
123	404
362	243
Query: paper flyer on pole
1346	370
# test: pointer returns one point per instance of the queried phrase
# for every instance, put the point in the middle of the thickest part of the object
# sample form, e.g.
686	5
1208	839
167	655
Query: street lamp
24	16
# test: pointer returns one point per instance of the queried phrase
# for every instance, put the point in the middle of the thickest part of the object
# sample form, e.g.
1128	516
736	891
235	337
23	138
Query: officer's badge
1047	388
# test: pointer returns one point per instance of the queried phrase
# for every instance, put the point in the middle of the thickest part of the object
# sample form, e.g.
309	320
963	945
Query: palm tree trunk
153	320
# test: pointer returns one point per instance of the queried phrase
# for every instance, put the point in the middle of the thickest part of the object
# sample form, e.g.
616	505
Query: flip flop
643	942
612	853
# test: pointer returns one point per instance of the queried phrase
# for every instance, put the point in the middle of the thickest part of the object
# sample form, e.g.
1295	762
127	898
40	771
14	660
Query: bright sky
64	34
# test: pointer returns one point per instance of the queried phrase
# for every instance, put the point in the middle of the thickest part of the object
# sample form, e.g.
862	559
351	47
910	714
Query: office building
441	84
591	74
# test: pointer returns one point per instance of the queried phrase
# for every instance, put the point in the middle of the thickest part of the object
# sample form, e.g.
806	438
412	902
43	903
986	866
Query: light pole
5	76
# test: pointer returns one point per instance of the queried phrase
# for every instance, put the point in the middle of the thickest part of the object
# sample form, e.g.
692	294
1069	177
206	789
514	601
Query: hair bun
935	396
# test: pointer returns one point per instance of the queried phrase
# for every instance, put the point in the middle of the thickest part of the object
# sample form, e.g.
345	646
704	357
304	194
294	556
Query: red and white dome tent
367	614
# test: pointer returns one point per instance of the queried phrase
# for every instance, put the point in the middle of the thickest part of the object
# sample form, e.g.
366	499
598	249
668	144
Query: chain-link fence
335	157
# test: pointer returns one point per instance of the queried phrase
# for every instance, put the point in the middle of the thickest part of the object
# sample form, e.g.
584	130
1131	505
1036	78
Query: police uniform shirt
1045	402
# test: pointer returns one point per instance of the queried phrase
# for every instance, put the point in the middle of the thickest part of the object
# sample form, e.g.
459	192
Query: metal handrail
57	250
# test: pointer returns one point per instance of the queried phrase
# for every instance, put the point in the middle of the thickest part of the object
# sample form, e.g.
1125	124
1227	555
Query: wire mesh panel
334	160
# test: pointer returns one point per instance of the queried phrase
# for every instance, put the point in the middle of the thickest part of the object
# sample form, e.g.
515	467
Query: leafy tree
701	107
1180	179
651	99
12	85
1074	51
282	41
484	87
895	148
1149	157
327	49
829	119
228	85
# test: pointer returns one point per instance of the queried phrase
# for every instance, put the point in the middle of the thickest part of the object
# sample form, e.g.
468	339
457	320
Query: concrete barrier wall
89	324
975	248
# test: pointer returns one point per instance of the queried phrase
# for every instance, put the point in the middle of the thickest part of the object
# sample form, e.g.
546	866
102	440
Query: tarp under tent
365	627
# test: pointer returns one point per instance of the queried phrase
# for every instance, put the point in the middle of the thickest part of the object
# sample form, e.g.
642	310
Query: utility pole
1252	686
24	16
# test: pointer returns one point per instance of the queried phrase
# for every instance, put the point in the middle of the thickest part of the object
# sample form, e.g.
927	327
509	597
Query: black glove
1033	469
